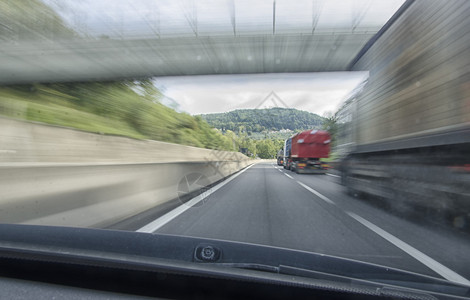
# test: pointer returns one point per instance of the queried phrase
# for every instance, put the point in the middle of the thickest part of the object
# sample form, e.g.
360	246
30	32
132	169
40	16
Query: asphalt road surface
265	204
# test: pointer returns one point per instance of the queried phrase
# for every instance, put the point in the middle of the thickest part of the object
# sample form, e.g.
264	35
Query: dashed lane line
434	265
324	198
437	267
333	175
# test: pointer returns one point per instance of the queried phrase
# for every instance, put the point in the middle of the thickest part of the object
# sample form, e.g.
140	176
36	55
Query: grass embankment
17	107
120	108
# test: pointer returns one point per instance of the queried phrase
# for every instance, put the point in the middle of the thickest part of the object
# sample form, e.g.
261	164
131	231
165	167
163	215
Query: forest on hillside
262	120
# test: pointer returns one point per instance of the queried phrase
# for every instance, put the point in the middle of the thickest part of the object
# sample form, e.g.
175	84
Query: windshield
335	127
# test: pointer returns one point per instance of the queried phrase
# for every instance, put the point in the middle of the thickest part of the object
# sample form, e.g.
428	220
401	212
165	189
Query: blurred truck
302	152
404	133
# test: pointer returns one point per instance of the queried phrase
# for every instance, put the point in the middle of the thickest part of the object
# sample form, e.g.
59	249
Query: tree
266	149
330	125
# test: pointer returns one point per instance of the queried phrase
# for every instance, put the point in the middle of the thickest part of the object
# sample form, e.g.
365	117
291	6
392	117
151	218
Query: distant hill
264	120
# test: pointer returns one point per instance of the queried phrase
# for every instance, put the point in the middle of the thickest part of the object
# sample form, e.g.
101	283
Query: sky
313	92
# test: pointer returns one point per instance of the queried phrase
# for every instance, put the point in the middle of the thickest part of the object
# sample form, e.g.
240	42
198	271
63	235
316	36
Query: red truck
306	149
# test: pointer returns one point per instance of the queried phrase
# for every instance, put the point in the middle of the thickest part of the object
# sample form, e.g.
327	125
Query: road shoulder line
161	221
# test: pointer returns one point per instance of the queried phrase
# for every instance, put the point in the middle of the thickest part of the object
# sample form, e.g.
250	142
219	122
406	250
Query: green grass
68	117
63	114
112	108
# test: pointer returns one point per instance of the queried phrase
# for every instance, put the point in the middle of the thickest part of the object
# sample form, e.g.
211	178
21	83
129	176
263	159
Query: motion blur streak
89	138
406	131
72	41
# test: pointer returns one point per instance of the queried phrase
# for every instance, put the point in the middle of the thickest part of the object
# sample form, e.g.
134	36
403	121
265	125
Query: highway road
265	204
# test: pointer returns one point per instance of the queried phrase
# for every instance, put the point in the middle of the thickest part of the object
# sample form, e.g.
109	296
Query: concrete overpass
234	37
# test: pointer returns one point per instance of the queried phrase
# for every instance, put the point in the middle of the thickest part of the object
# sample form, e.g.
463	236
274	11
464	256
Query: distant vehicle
280	157
287	150
302	152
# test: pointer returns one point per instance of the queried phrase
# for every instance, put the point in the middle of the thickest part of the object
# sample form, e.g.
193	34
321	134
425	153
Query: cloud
313	92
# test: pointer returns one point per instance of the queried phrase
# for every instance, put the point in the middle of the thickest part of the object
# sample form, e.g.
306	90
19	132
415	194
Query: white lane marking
324	198
332	175
288	176
156	224
418	255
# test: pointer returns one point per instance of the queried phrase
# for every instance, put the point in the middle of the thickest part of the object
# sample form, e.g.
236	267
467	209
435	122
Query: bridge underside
49	41
113	59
